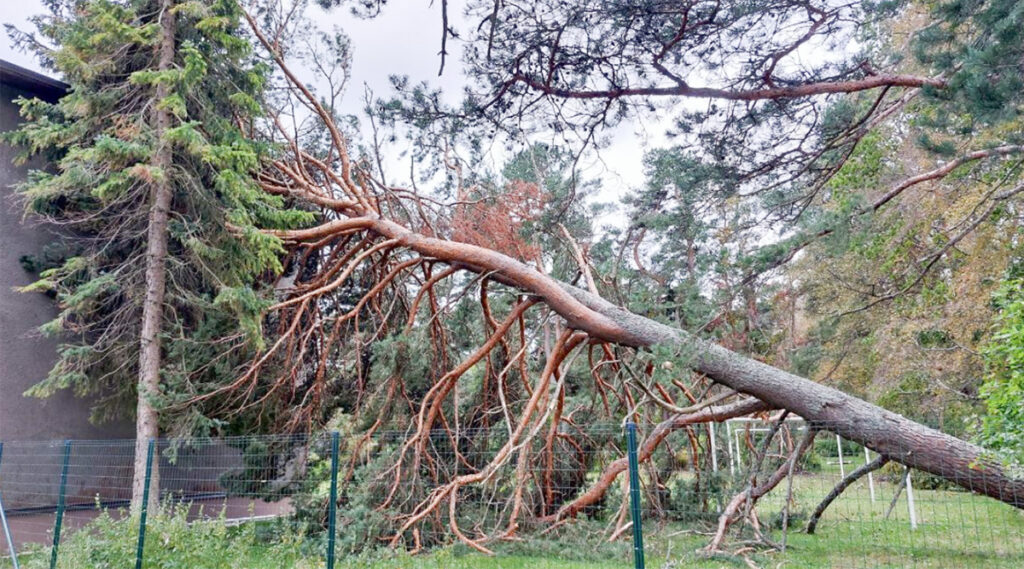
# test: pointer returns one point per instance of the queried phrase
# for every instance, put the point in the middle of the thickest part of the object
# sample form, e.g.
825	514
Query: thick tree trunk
887	433
893	435
147	419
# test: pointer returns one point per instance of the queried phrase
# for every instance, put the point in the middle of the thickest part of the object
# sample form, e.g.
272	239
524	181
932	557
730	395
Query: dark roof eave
46	88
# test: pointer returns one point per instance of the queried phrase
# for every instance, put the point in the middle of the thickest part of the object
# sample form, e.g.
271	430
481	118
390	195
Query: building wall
25	357
33	431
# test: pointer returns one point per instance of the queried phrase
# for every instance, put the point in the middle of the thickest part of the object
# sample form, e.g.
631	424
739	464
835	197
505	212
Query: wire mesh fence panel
241	490
832	504
203	487
237	479
31	474
753	492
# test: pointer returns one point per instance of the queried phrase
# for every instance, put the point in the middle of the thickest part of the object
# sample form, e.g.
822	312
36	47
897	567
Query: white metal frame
733	438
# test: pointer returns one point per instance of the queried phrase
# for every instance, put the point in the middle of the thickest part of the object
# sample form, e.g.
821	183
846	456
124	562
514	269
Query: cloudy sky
377	54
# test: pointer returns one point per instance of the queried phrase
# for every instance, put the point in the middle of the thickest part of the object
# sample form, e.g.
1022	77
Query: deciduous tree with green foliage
1003	389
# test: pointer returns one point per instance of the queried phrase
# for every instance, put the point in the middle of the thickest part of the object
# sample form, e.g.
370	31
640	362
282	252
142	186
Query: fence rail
586	494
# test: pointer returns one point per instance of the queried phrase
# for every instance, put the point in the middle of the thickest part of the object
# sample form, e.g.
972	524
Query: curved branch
647	448
684	90
880	461
882	431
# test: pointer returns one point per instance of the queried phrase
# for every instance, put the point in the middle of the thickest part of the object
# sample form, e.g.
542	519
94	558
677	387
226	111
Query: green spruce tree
154	183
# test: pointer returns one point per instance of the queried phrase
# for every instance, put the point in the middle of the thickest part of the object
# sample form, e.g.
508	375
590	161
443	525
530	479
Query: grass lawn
955	530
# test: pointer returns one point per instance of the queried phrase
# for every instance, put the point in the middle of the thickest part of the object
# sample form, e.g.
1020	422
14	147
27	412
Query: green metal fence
581	496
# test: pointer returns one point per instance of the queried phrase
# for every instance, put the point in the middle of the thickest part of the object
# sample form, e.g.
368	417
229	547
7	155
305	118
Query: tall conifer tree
154	183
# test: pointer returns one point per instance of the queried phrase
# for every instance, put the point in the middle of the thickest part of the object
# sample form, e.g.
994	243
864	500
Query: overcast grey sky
404	40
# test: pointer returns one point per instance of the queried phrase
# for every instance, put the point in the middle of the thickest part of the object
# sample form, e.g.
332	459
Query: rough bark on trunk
887	433
161	191
893	435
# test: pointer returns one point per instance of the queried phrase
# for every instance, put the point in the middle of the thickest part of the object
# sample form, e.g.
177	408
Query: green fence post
3	523
634	496
332	507
145	505
60	505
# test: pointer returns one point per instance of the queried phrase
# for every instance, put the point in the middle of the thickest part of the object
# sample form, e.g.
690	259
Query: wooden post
871	480
910	502
839	451
728	442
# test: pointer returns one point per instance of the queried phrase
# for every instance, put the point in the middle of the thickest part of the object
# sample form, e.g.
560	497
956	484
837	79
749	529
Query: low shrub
173	542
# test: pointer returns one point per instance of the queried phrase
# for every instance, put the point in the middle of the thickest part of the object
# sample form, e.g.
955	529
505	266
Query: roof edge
44	87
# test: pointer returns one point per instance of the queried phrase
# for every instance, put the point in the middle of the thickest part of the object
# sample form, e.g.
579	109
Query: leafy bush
1003	389
172	542
894	472
825	446
811	462
688	502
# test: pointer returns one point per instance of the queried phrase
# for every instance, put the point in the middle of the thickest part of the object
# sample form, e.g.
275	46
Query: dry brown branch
749	497
563	347
647	448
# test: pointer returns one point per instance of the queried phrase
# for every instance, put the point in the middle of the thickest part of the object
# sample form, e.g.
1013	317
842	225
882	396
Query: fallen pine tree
396	241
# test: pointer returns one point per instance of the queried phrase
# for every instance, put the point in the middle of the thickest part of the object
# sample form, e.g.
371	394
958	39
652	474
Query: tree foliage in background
898	298
1003	389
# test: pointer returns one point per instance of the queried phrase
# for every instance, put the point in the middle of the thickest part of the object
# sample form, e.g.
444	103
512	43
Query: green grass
956	530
